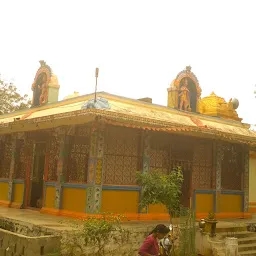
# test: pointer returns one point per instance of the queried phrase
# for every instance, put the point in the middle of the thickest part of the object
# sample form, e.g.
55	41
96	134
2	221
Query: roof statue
184	92
186	111
45	86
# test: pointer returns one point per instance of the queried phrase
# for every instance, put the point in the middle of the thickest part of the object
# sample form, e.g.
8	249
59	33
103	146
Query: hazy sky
140	46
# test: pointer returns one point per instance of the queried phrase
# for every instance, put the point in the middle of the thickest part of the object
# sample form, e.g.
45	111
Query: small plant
159	188
187	234
95	236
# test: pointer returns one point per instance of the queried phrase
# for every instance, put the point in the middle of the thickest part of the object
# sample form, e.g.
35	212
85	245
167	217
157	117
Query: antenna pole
96	76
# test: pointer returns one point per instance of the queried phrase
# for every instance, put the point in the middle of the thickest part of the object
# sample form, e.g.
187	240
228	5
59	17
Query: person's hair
160	228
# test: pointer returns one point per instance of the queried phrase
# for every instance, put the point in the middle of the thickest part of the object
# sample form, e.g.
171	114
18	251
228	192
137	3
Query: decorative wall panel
53	156
232	166
78	157
202	177
20	160
246	178
122	156
160	149
6	159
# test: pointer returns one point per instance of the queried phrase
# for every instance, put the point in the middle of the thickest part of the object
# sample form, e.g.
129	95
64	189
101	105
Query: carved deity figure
184	96
39	88
44	92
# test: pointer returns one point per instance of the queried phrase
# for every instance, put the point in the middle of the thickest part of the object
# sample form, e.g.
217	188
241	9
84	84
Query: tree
10	99
159	188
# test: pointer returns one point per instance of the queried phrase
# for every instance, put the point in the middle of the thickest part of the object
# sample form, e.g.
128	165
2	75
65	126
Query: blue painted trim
205	191
44	192
194	201
24	196
122	188
4	180
74	185
18	181
230	192
50	184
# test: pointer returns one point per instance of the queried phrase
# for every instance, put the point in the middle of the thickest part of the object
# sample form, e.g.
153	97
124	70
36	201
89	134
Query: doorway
37	175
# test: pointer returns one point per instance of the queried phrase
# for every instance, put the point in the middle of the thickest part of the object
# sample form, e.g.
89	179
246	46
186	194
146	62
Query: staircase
246	243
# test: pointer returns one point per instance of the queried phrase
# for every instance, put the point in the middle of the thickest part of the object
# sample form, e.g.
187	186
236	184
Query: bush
159	188
99	235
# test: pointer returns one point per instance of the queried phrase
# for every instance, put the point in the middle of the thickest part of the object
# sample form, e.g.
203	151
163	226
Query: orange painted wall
74	199
4	191
49	200
157	208
230	203
18	193
204	203
116	201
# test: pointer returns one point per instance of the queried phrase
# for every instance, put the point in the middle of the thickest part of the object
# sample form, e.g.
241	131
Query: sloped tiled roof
135	113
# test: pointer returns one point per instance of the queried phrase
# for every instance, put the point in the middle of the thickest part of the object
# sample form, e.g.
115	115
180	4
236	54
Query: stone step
239	235
247	240
246	247
248	253
231	229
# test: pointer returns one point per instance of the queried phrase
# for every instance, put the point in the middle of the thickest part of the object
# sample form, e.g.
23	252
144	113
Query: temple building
80	156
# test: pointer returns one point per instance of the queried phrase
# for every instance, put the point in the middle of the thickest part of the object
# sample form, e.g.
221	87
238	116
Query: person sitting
150	246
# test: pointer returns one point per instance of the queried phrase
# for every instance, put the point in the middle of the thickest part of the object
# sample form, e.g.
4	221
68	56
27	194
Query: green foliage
158	188
187	235
94	235
10	99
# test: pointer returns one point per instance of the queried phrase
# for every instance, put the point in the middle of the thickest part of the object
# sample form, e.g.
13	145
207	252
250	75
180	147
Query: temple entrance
36	179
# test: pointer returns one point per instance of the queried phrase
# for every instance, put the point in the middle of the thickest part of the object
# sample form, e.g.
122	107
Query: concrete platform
62	223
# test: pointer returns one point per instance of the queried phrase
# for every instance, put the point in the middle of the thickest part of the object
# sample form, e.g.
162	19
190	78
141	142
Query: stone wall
126	245
12	244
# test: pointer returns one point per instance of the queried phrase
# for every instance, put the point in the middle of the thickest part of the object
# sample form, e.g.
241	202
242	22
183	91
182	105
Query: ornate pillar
246	178
95	171
146	151
29	149
218	163
145	160
12	167
61	166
